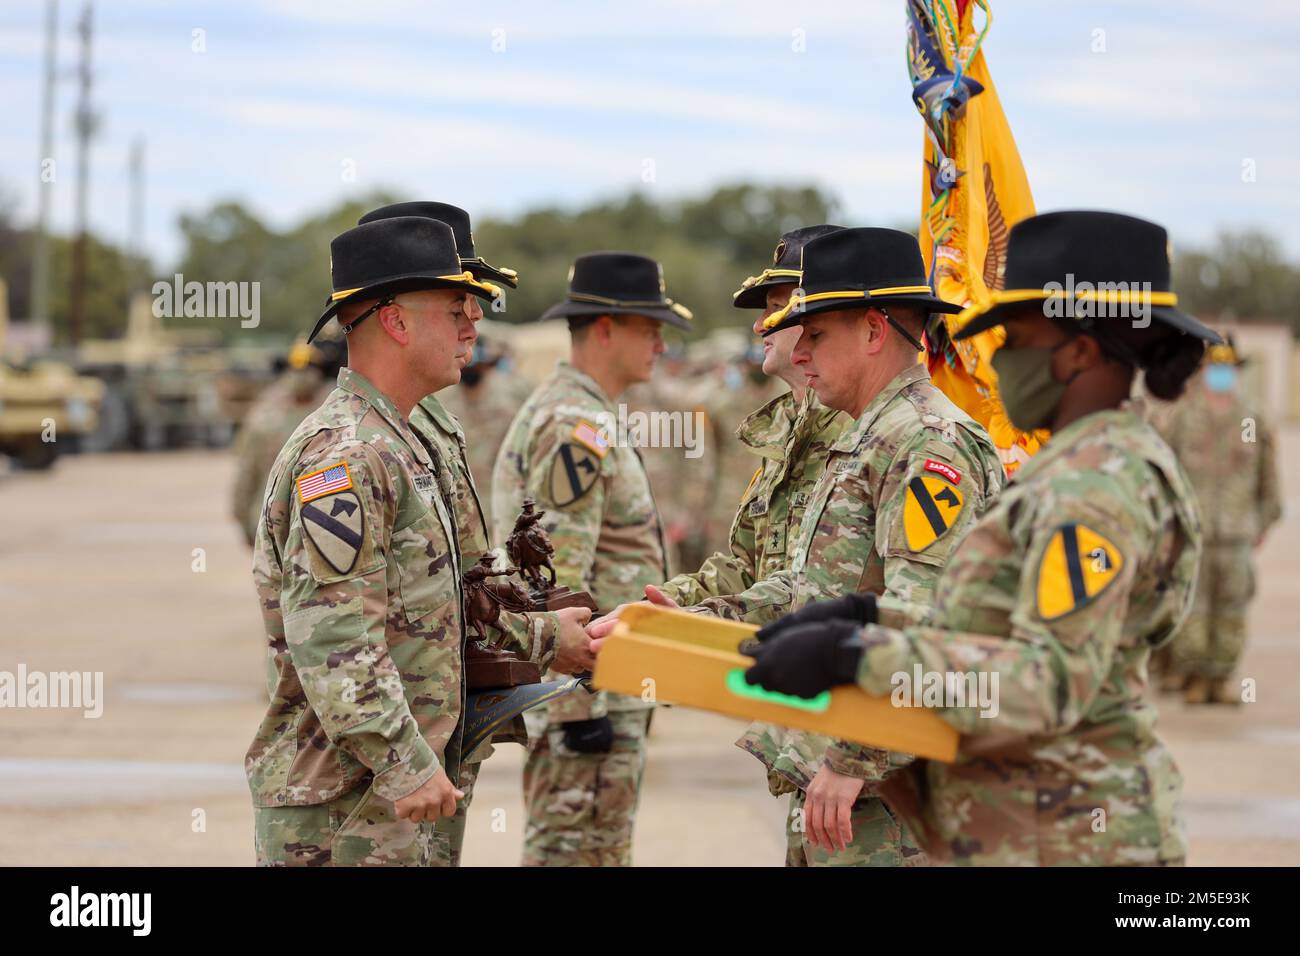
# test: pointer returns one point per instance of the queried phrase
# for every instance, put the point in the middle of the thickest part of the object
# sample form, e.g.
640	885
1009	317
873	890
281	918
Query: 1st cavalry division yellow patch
1077	565
932	506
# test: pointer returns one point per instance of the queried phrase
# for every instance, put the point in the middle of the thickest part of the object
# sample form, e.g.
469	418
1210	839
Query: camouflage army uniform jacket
356	567
793	439
600	514
1230	454
1087	561
530	635
901	487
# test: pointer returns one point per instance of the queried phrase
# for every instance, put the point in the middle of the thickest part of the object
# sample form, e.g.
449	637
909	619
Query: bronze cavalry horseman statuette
531	550
488	666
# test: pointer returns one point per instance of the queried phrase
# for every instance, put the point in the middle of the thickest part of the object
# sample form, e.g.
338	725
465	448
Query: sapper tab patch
932	507
574	472
590	437
327	481
1077	565
945	469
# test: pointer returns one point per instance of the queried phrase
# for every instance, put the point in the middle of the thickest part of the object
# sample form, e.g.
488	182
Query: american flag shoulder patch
589	436
327	481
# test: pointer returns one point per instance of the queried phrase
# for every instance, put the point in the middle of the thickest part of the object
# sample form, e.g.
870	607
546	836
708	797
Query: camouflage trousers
359	828
581	807
1212	639
452	829
879	838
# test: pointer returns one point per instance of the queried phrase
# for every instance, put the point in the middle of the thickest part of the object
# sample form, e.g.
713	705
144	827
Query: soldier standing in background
277	411
1230	453
546	638
683	483
585	762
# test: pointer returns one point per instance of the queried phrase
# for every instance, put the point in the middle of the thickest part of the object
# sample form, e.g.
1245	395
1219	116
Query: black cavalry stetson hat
390	256
784	269
458	219
1097	257
858	269
618	283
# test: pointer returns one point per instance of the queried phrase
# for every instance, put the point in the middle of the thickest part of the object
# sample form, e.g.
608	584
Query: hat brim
394	285
755	296
486	272
927	303
568	309
994	312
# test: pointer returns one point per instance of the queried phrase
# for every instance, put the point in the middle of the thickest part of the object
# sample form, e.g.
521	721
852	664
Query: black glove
807	659
851	607
593	736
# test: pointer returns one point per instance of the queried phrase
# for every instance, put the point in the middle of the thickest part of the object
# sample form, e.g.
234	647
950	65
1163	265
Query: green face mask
1029	391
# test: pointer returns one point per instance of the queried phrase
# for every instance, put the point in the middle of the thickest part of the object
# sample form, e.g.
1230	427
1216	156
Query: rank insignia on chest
574	472
931	508
1077	565
758	507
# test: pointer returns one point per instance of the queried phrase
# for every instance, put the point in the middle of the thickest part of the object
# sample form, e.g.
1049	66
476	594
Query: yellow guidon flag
974	189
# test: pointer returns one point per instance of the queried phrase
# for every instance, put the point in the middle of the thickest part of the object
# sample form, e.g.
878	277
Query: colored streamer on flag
973	190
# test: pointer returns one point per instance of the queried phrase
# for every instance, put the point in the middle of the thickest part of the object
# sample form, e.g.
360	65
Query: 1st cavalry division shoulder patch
574	472
932	506
332	516
1077	565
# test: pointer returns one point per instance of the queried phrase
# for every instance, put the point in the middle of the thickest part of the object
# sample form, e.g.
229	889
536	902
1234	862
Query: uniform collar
1122	418
566	371
771	424
438	413
354	382
909	376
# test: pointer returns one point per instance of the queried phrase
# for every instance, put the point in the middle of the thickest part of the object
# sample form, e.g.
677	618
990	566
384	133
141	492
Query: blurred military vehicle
45	407
170	388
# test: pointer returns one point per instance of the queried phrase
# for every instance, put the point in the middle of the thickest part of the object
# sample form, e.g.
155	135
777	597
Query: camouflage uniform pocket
426	567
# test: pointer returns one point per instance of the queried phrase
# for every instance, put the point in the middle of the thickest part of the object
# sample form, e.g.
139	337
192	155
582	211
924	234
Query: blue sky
292	95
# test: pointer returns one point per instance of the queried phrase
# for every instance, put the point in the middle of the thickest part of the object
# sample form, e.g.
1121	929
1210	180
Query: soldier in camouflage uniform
357	567
546	638
1086	562
586	758
1230	453
278	410
901	485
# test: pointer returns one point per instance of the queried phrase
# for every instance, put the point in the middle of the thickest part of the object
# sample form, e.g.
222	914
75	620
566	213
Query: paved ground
126	564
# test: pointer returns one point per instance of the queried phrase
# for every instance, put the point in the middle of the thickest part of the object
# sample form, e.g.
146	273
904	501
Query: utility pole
85	122
39	298
135	225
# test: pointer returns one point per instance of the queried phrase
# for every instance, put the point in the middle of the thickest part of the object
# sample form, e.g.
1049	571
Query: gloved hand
806	659
851	607
594	736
